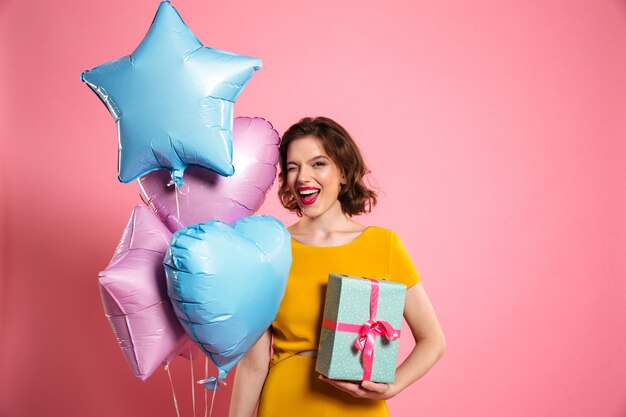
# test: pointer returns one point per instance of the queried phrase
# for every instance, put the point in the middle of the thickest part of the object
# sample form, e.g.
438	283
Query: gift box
360	333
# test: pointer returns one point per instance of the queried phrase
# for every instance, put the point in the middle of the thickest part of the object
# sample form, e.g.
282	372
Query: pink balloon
206	195
134	295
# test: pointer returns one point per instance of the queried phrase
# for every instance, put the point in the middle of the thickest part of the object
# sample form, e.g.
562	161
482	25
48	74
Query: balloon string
193	383
206	376
167	368
177	191
212	400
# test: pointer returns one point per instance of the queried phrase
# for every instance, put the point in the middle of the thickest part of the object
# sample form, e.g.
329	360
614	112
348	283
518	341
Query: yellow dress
292	387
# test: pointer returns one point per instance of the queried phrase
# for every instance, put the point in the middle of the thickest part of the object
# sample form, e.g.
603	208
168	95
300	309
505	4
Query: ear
343	180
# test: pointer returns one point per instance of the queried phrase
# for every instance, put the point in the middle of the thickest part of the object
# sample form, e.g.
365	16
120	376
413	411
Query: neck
331	221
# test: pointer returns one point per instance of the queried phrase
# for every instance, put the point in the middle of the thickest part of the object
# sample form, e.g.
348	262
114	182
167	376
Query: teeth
308	192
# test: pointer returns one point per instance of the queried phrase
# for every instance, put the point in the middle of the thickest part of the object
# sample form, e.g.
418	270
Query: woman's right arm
250	377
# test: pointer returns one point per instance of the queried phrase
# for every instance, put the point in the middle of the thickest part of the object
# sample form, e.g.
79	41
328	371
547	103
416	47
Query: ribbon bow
367	337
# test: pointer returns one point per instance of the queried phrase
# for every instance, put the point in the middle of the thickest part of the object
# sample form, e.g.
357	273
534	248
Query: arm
250	377
429	347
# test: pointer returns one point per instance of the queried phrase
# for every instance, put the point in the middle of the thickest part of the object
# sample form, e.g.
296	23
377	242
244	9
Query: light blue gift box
346	310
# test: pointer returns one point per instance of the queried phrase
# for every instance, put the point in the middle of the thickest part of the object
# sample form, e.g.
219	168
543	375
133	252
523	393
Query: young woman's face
313	177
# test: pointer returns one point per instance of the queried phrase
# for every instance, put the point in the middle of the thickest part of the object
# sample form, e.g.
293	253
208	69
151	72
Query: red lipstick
308	195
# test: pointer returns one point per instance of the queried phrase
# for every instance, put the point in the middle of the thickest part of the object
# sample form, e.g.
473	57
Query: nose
304	175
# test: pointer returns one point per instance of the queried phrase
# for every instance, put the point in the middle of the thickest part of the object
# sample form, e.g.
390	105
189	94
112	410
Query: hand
364	389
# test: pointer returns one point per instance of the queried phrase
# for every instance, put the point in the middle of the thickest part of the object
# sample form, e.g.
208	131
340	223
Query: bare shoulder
295	229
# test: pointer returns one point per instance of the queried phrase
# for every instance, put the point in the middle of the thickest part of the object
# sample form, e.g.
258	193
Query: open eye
319	164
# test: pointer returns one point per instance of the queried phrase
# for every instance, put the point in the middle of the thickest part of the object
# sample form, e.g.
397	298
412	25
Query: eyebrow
310	160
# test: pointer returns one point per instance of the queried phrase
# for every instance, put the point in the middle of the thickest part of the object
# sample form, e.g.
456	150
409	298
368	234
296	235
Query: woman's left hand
365	389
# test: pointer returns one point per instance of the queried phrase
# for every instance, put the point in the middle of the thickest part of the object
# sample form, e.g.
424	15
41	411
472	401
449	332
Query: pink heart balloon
207	196
134	296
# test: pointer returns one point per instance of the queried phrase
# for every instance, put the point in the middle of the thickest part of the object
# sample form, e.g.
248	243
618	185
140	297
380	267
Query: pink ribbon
367	332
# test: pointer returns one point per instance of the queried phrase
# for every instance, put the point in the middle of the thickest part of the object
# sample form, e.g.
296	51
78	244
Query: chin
316	209
306	212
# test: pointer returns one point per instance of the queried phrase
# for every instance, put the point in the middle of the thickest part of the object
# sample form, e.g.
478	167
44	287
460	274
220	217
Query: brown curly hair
355	197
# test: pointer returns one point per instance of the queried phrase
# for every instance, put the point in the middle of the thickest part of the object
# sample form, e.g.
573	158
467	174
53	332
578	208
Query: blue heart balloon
226	283
172	100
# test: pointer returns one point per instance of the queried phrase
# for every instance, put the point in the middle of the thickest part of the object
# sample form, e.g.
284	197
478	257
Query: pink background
495	130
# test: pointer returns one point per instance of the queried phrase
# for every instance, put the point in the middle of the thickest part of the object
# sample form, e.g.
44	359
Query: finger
380	388
349	387
342	384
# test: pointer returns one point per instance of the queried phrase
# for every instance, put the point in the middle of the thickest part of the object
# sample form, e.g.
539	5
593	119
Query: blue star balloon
172	100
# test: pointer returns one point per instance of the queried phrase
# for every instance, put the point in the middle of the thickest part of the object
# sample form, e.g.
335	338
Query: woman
321	179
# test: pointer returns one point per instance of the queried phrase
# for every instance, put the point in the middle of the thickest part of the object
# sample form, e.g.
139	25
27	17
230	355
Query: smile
308	195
